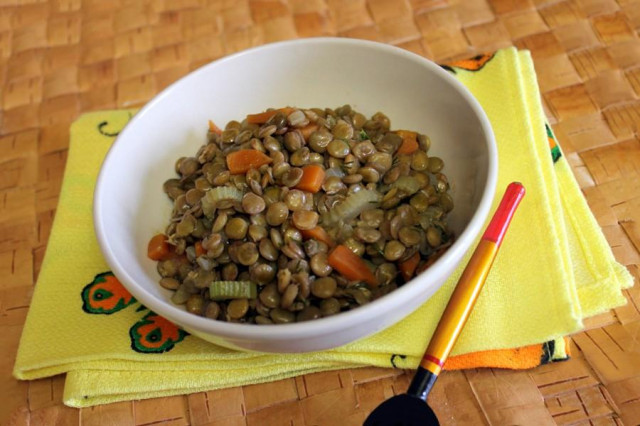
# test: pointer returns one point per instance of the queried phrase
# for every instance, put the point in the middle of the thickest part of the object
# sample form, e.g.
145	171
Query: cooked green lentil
246	231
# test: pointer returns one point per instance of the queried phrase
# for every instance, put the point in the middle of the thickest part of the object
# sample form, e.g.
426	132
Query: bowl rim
321	326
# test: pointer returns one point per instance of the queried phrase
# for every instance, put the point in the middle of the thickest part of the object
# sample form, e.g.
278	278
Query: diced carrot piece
239	162
351	266
263	117
199	249
308	130
408	267
409	142
214	129
312	178
158	248
317	233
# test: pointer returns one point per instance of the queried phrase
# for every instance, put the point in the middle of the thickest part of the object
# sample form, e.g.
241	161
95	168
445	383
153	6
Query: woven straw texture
64	57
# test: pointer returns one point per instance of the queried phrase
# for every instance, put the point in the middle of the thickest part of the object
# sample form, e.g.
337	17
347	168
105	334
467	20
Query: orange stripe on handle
470	283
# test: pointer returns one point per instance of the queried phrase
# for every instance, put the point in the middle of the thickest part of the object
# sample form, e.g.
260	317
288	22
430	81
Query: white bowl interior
415	94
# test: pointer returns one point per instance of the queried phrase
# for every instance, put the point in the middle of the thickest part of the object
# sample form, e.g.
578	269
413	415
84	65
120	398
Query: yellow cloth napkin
555	268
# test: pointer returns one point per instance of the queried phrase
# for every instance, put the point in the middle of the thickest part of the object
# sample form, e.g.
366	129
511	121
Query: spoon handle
465	294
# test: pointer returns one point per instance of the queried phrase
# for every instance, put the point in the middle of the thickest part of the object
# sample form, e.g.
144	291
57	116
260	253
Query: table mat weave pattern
61	58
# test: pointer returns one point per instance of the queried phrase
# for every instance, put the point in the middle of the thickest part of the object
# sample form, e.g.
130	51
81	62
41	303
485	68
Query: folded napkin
555	268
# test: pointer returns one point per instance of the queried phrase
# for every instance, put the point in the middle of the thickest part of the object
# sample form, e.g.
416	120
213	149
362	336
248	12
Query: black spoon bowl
402	410
411	408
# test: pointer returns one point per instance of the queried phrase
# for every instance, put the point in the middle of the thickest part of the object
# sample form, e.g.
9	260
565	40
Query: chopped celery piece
352	206
214	195
222	290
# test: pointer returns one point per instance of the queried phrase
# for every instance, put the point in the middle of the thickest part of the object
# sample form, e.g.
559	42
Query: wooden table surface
61	58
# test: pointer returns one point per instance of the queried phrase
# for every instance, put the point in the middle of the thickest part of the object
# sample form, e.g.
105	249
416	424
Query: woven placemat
65	57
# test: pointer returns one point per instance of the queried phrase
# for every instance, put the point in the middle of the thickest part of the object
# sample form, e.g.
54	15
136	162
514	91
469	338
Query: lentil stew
295	214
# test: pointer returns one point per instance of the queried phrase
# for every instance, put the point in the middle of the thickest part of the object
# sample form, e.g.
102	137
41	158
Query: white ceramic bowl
130	206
